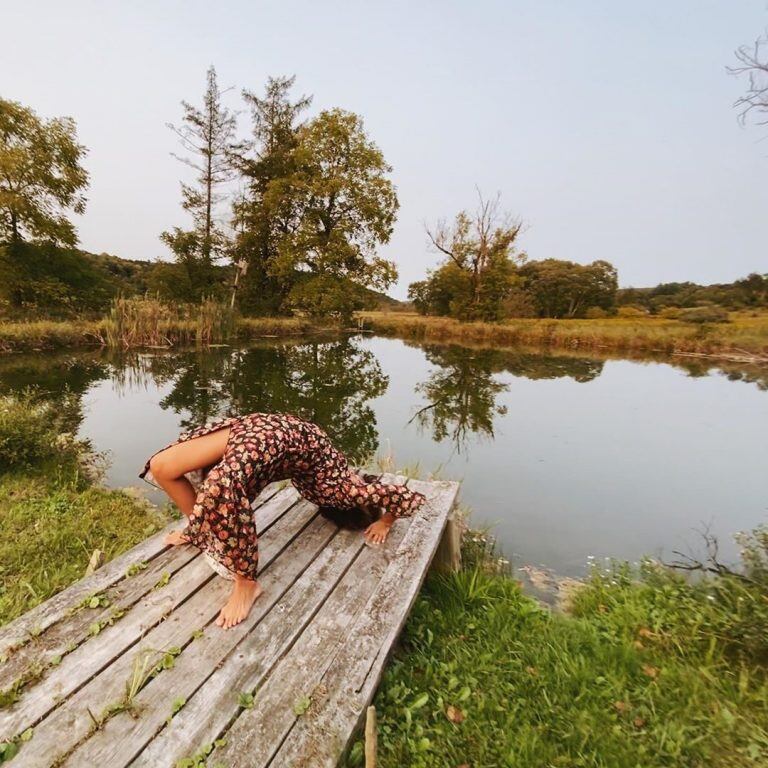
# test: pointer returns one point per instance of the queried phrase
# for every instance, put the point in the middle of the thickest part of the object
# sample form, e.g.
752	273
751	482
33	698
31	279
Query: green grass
746	335
642	673
52	520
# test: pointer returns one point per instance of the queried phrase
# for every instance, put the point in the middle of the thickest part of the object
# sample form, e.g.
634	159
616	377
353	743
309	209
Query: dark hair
355	518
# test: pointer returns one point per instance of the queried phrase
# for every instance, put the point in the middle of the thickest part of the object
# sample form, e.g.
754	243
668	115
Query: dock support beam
371	738
448	553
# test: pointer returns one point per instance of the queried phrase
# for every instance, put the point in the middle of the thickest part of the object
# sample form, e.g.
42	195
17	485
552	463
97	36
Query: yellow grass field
743	338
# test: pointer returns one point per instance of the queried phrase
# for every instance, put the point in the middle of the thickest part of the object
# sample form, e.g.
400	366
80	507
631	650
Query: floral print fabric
262	448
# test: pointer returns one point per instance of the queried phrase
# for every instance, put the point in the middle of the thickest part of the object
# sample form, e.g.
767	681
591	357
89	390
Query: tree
206	133
347	207
753	62
482	247
566	289
267	209
41	176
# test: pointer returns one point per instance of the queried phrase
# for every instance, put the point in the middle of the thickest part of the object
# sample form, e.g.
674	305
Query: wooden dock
126	668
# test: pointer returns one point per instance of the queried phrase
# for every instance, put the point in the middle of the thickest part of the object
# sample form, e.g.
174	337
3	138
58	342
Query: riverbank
743	339
55	334
645	669
55	512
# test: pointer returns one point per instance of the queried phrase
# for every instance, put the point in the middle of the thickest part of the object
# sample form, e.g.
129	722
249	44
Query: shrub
595	313
632	310
518	303
707	314
32	431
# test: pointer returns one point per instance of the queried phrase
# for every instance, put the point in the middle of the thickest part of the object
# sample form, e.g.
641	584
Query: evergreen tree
268	208
206	133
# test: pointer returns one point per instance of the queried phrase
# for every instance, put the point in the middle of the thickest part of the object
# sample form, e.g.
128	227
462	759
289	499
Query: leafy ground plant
647	670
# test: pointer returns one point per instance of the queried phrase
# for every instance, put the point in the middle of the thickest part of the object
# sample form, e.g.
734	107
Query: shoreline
38	335
745	340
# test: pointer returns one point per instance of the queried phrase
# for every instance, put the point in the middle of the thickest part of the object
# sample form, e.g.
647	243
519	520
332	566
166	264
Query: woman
235	458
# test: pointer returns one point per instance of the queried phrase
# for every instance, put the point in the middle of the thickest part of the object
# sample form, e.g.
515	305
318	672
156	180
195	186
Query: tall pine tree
269	208
206	133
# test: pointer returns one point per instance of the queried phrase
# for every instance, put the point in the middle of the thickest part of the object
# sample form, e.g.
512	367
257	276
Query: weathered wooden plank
319	737
272	509
257	643
448	555
206	715
257	733
63	729
74	628
47	613
88	659
43	615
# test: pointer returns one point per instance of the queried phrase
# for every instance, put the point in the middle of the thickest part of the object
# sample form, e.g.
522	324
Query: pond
567	456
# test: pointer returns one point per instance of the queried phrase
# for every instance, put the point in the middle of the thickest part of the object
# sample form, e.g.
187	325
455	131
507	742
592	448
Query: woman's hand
376	533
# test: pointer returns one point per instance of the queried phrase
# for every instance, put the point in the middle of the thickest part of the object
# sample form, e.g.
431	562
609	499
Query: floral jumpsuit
262	448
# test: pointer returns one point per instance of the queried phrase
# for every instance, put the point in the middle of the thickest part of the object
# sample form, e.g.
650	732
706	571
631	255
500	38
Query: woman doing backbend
238	457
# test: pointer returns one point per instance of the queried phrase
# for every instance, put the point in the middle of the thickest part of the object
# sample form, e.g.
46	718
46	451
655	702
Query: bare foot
244	595
174	538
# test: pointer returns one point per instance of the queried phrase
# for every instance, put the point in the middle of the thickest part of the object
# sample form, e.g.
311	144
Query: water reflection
329	382
631	463
462	392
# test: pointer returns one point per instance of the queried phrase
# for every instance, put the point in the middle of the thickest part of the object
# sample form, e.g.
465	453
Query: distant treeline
46	280
749	293
483	276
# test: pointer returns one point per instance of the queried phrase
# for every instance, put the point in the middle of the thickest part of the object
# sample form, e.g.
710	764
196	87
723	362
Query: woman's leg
169	467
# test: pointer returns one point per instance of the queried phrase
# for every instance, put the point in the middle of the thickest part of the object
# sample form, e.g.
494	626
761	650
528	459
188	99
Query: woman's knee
163	467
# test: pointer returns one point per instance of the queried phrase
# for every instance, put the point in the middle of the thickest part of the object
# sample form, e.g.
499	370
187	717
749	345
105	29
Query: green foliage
706	314
748	293
478	274
34	431
566	289
317	204
206	134
52	520
42	279
651	672
191	277
327	296
41	177
347	203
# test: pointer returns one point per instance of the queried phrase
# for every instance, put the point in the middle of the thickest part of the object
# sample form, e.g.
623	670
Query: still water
566	457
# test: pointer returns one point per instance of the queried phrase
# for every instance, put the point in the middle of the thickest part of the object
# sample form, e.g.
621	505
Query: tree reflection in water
327	382
462	392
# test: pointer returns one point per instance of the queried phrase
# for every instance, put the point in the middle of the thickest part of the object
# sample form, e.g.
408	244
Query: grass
52	521
646	670
745	336
146	322
54	513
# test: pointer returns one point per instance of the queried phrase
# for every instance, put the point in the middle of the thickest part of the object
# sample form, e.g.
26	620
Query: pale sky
606	125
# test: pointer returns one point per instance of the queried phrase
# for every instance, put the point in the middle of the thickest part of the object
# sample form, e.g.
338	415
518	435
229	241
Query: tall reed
148	322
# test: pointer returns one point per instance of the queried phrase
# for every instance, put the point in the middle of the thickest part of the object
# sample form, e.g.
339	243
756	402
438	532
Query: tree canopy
317	204
42	180
478	272
206	134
